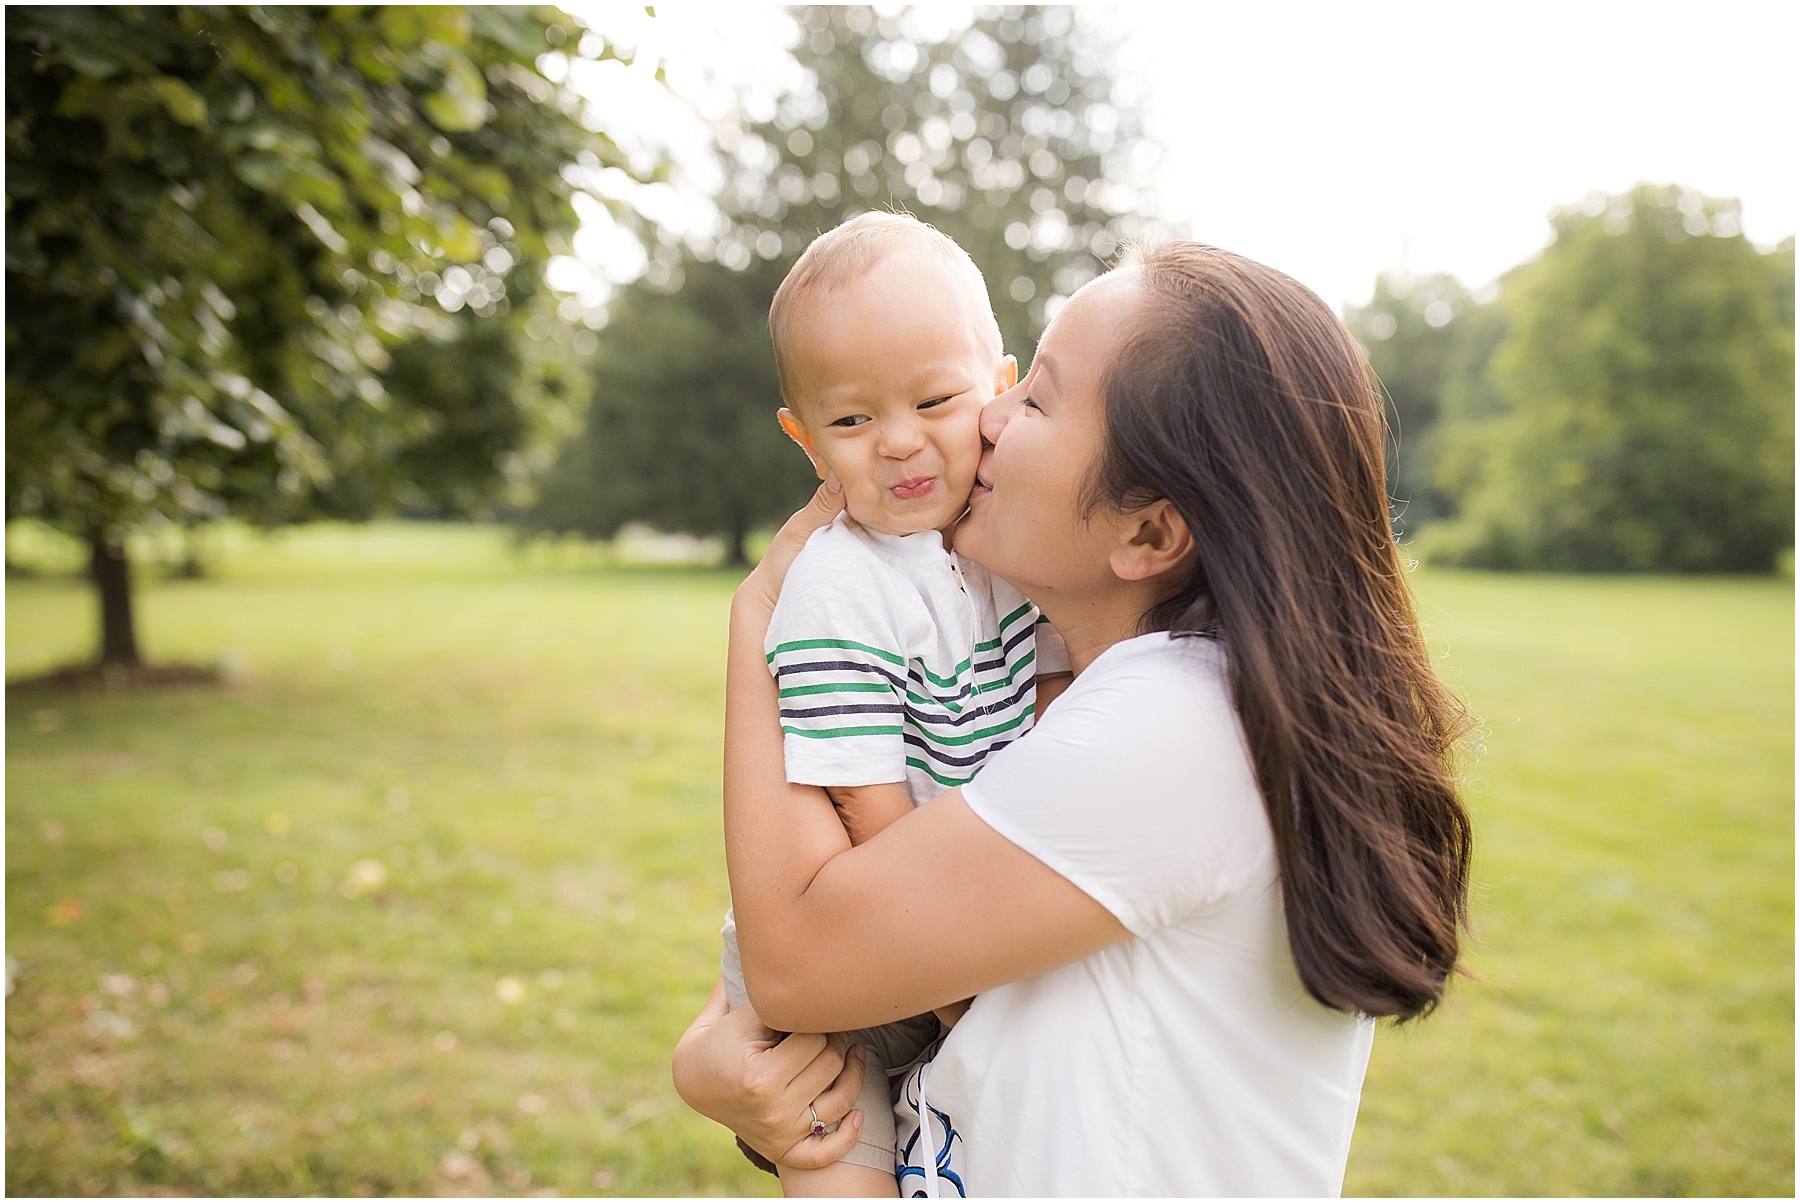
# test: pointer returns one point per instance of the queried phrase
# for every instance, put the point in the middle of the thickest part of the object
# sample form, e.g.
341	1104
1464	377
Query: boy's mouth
912	490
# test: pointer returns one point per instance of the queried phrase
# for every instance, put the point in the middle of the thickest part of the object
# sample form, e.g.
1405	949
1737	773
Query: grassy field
418	901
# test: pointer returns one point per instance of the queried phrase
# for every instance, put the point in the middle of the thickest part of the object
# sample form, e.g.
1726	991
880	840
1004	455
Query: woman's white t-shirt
1187	1060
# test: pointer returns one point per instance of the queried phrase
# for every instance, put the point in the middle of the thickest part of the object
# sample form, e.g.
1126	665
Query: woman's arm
935	908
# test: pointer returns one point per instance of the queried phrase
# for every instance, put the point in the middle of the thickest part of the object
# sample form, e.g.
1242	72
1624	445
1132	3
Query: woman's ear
1154	541
802	436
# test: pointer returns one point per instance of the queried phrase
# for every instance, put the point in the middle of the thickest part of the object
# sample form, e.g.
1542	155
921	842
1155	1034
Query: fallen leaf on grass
64	912
366	876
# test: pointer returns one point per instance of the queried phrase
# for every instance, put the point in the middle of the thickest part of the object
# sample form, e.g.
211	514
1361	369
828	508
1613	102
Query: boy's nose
900	438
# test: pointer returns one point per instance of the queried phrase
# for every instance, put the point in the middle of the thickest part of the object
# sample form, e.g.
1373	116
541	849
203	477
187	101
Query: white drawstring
930	1141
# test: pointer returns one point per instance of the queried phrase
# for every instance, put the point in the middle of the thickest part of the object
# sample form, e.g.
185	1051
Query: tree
219	222
1007	135
681	427
1638	414
1421	335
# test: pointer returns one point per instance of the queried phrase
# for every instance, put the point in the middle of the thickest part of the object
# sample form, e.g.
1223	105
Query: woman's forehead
1084	332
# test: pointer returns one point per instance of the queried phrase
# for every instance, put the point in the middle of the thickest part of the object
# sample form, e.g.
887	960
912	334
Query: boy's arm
866	809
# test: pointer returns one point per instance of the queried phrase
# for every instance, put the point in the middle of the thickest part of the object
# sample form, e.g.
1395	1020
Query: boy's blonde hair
843	255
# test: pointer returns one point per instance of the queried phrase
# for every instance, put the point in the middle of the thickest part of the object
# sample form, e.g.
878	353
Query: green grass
522	756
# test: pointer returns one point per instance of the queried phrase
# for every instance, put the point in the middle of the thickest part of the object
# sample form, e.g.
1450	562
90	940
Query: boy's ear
802	436
1007	376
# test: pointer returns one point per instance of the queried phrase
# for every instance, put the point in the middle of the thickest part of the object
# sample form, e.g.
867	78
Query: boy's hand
763	585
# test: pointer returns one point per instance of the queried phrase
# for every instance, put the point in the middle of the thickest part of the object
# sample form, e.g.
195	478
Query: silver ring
818	1125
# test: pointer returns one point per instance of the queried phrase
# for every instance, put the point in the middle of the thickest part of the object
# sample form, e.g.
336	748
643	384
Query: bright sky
1332	141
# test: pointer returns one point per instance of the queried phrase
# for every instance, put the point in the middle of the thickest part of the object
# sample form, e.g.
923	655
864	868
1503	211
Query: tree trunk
734	544
111	572
191	568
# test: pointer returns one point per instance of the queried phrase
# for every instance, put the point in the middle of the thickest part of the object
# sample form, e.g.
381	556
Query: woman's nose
997	413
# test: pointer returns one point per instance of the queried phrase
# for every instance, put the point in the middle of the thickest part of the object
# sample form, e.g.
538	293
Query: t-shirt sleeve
1137	788
837	648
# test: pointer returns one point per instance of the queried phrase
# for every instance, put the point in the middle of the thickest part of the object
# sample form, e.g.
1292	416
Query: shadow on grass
111	677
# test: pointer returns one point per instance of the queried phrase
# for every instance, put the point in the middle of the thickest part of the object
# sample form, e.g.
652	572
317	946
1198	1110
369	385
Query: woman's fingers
767	1086
817	1152
815	1079
834	1107
837	1100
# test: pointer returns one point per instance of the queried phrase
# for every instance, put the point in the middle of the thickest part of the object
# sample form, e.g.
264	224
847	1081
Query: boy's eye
852	420
933	403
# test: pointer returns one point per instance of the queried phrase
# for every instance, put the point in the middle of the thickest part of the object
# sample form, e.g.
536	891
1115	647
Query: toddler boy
901	667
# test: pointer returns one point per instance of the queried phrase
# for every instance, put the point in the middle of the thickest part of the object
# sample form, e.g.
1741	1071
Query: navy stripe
943	757
914	676
956	720
821	711
1024	633
826	666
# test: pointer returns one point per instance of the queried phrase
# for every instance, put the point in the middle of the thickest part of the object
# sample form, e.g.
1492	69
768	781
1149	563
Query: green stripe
949	681
1015	615
989	646
806	645
952	782
952	741
1027	658
840	732
800	691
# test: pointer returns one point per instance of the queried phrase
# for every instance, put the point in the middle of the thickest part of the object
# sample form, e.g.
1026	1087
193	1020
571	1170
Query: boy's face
888	376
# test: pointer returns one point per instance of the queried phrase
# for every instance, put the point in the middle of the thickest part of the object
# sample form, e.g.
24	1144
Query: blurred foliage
681	428
222	220
1007	135
1625	405
1420	332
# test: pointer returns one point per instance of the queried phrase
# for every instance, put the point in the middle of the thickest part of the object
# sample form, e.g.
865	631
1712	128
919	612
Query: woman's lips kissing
911	490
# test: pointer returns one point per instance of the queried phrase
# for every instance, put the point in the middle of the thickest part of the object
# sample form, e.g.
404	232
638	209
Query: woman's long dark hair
1243	401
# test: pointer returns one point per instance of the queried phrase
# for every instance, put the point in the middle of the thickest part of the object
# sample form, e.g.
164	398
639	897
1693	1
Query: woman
1232	843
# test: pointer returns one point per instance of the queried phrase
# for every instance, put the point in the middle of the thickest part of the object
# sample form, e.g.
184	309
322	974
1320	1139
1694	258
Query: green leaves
1637	414
181	102
221	221
462	104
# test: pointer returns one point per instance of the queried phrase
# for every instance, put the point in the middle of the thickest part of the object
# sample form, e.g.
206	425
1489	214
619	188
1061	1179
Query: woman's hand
763	585
765	1086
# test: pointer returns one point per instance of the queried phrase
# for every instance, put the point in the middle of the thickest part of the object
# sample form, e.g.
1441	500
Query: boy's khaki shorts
892	1047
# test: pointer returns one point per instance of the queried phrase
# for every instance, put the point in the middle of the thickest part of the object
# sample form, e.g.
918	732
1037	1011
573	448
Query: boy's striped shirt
897	663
